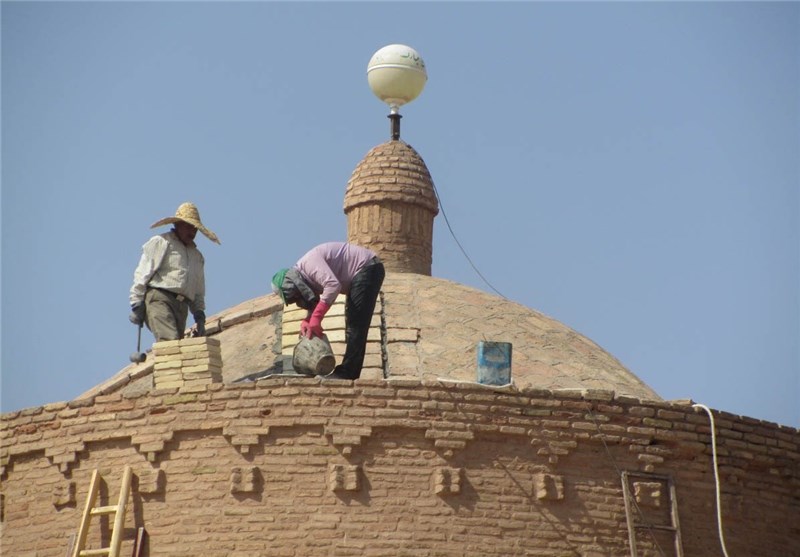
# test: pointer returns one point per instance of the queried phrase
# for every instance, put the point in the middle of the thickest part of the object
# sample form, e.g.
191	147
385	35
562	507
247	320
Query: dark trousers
358	312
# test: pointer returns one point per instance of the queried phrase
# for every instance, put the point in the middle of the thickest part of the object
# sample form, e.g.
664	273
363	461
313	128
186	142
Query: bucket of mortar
313	355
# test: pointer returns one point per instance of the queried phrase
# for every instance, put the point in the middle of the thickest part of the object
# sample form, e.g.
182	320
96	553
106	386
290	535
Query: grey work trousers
165	314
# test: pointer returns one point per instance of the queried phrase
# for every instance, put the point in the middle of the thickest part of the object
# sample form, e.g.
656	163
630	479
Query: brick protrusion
244	436
447	481
64	455
64	494
450	436
345	437
344	477
548	487
244	479
151	444
151	481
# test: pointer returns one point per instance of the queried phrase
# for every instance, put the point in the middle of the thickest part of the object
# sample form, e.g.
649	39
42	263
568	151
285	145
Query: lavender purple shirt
329	268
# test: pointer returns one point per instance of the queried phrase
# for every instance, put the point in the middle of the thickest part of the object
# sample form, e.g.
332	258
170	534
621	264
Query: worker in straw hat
170	278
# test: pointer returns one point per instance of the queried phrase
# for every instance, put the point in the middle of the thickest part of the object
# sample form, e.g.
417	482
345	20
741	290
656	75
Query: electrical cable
453	234
716	475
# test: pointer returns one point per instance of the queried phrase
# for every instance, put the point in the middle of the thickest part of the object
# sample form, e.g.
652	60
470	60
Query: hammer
138	356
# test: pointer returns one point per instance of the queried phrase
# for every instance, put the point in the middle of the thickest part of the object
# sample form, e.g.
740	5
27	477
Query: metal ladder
632	511
90	511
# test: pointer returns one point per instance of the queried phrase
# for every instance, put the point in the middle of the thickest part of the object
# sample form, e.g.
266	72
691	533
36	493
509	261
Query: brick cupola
390	205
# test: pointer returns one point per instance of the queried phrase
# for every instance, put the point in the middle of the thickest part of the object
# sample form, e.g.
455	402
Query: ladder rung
103	510
90	552
656	527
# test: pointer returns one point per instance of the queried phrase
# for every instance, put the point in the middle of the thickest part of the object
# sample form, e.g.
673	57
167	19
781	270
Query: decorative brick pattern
447	481
64	455
151	481
548	487
64	494
346	437
245	433
344	477
244	479
151	443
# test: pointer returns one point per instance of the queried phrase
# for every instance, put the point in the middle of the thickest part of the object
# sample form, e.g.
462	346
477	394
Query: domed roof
429	329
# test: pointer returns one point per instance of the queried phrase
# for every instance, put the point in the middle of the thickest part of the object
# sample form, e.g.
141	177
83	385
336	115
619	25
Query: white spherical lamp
396	74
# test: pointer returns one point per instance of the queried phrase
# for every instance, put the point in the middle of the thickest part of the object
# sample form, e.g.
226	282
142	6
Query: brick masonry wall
300	467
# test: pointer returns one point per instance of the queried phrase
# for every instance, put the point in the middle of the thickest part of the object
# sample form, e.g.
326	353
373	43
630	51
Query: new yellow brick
194	341
169	364
166	350
194	348
202	360
166	344
168	384
202	368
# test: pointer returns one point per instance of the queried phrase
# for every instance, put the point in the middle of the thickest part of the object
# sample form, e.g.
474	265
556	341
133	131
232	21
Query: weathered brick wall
299	467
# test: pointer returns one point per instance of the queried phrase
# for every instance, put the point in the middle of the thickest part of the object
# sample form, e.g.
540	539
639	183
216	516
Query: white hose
716	475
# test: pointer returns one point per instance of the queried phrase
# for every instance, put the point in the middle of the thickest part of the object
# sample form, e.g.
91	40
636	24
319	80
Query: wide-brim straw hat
189	214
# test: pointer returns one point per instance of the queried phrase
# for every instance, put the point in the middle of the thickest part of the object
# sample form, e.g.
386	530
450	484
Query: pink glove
314	325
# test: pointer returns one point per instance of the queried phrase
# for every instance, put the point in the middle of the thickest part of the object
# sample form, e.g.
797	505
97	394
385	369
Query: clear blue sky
630	169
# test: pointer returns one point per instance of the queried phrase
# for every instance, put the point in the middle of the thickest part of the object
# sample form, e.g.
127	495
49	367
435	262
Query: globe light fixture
396	74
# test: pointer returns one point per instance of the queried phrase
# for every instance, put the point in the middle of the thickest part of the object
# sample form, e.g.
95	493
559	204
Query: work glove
137	313
200	324
313	327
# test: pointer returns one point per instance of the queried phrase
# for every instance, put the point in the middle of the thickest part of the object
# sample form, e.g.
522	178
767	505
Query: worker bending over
317	279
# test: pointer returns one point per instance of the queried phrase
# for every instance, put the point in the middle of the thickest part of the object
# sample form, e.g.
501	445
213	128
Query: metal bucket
313	355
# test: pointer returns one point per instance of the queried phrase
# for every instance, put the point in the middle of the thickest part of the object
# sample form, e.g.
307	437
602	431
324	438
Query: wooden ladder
632	511
90	511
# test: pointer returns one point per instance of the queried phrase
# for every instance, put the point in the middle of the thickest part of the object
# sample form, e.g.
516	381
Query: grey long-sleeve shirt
169	264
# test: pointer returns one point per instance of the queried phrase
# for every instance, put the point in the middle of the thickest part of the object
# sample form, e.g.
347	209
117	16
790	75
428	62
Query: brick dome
425	328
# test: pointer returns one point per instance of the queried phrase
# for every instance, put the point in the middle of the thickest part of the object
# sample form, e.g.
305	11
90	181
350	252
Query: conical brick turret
390	205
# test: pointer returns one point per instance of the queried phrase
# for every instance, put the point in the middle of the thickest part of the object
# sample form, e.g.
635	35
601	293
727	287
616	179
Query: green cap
277	284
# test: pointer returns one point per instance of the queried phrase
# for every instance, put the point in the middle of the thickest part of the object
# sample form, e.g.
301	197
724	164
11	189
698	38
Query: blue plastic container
494	363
